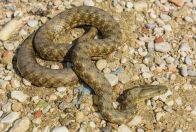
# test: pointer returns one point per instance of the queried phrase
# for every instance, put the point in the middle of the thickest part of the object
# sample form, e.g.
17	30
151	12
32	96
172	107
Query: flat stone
101	64
124	128
113	79
60	129
32	23
89	3
163	47
135	121
177	2
21	125
19	95
124	77
11	117
140	5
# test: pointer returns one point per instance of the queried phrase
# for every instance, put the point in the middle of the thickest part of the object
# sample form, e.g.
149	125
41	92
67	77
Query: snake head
140	93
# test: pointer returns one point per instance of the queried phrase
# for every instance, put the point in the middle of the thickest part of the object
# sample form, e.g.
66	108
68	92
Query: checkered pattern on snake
82	65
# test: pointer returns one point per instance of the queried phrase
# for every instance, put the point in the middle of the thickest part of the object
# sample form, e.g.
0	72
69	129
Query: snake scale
41	44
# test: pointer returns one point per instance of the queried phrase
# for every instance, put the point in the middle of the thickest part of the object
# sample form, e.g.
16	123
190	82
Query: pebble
7	57
61	89
92	124
140	5
151	46
15	83
194	111
8	46
113	79
188	19
165	17
124	77
16	106
188	60
162	47
124	128
192	73
140	130
179	101
21	125
129	5
167	27
60	129
179	130
146	75
123	60
119	8
54	67
32	23
159	115
26	82
11	117
1	113
184	71
135	121
177	2
7	107
19	95
184	47
9	28
101	64
89	3
77	3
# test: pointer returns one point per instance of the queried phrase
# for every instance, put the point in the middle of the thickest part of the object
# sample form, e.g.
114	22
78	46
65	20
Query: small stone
159	39
113	79
80	116
15	83
177	2
184	47
179	130
54	67
8	46
26	82
194	111
77	2
7	107
167	27
124	77
159	115
188	19
129	5
92	124
142	51
163	47
61	89
179	101
16	106
19	95
7	57
101	64
151	46
135	121
192	73
60	129
1	113
119	8
169	102
146	75
32	23
57	2
124	128
165	17
140	130
38	114
140	5
123	60
188	60
21	125
184	71
89	3
99	1
10	118
9	29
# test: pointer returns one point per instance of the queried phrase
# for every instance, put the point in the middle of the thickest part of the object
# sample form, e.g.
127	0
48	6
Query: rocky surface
158	47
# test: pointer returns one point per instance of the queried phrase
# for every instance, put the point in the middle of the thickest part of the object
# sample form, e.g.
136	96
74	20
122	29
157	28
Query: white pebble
1	113
146	75
169	59
129	5
194	111
123	60
188	19
151	46
163	47
113	79
8	46
124	128
92	124
89	3
159	115
124	77
142	51
9	28
61	89
101	64
7	107
11	117
21	125
135	121
15	83
26	82
179	101
165	17
77	2
167	27
140	5
192	73
140	130
60	129
179	130
32	23
54	67
19	95
184	71
188	60
184	47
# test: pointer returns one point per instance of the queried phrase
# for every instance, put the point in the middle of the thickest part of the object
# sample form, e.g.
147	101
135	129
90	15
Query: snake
41	44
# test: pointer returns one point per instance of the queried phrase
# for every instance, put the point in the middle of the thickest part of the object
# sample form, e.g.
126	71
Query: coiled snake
41	43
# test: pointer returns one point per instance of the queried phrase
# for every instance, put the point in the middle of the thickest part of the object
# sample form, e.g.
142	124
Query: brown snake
81	60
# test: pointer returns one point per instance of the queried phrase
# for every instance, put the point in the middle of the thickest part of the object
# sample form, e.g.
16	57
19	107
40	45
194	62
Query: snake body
82	65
